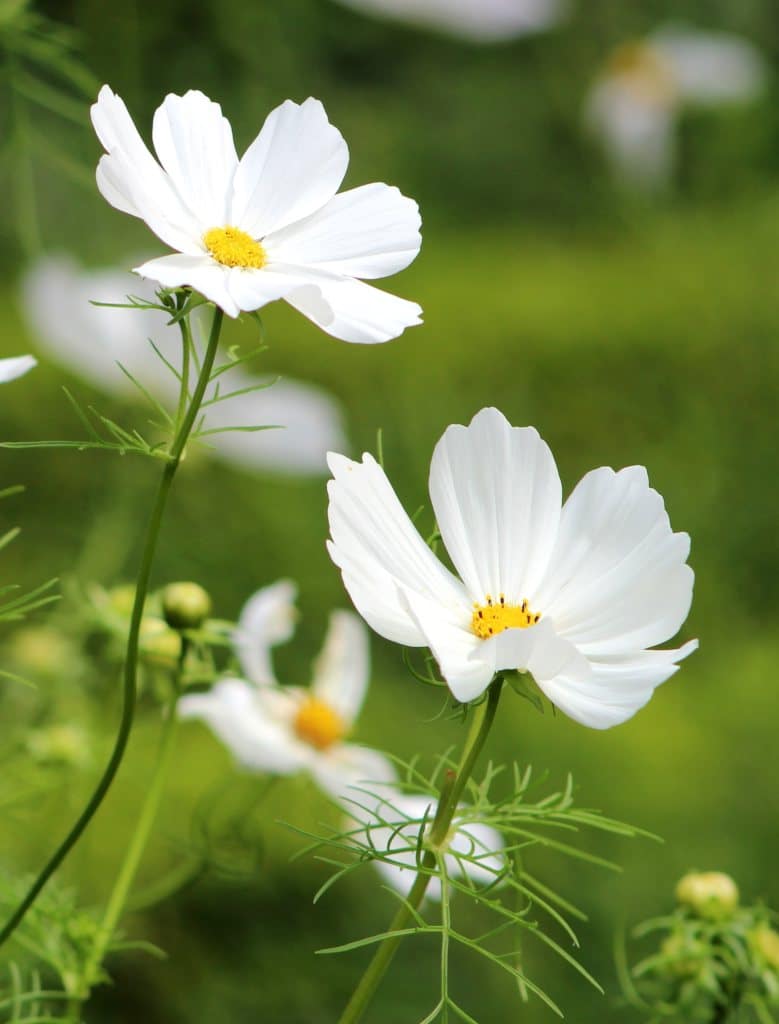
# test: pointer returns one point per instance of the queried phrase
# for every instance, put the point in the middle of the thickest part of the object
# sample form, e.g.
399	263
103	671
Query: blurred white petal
711	67
342	670
476	850
16	366
481	21
267	619
637	133
90	341
305	423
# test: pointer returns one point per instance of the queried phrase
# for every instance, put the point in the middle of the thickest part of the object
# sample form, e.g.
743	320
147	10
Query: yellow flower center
234	248
644	72
318	724
493	617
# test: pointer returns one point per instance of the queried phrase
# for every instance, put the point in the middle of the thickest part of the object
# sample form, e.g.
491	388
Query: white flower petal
356	312
306	423
377	548
57	298
617	688
252	289
131	180
367	232
637	134
194	143
351	774
466	662
711	67
399	840
293	167
617	581
233	711
342	670
497	496
199	272
483	848
16	366
481	21
536	649
267	619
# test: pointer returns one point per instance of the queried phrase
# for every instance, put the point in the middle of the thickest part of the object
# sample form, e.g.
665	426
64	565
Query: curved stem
447	805
131	659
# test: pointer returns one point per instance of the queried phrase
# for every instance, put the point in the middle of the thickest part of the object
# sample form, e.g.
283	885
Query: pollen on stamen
489	619
234	248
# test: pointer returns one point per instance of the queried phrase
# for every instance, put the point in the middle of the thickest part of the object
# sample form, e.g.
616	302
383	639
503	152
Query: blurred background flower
94	342
476	20
637	99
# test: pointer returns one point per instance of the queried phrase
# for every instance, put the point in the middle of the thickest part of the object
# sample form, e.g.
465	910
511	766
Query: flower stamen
317	724
234	248
493	617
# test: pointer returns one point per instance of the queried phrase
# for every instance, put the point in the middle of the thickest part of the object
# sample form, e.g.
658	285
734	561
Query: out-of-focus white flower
482	21
58	303
634	104
287	730
574	594
269	226
16	366
473	850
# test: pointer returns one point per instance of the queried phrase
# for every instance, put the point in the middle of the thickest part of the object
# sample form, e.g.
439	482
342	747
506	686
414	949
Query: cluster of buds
718	961
177	612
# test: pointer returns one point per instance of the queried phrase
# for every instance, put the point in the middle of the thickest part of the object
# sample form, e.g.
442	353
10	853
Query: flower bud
185	605
158	642
709	894
765	943
685	956
41	650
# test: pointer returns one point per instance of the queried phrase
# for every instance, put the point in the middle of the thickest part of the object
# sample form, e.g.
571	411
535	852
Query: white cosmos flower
482	21
269	226
285	730
57	300
474	850
635	102
16	366
574	593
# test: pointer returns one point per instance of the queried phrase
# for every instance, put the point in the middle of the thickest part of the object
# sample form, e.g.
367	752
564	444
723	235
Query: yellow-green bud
159	643
41	650
185	605
765	942
684	957
709	894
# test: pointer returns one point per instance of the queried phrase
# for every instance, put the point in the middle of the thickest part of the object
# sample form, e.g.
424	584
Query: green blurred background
627	331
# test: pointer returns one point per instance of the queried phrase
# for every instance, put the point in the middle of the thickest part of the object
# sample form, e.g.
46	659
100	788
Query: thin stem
135	850
131	659
186	347
452	790
27	223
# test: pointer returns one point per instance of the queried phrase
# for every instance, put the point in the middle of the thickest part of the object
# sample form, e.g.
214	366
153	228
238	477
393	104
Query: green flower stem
135	850
131	659
451	793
